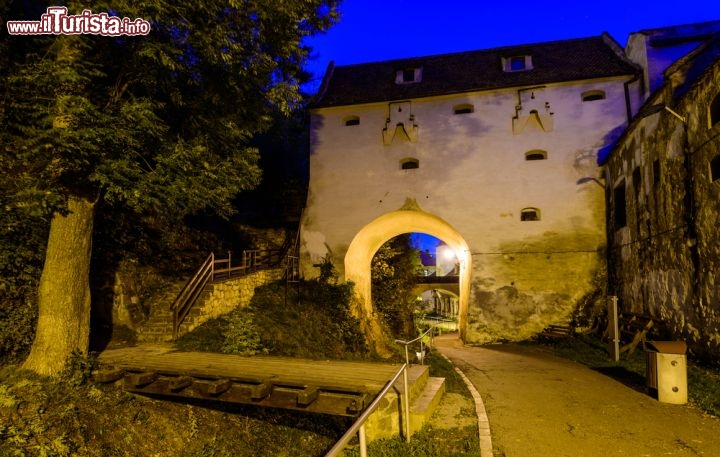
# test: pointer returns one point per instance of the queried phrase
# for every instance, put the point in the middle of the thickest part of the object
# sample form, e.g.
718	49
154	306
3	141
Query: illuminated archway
409	218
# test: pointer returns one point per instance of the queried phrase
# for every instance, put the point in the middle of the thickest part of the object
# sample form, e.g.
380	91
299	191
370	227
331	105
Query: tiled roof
553	62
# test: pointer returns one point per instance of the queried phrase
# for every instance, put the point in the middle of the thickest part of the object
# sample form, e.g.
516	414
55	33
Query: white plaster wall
473	173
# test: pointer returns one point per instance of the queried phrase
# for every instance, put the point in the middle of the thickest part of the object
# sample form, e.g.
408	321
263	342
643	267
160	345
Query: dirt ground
540	405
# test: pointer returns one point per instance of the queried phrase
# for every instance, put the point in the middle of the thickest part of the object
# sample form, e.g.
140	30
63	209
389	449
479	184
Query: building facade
663	190
494	152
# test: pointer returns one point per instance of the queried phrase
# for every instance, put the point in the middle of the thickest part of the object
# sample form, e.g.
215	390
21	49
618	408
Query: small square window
409	164
408	75
529	214
517	63
536	154
465	108
351	120
593	95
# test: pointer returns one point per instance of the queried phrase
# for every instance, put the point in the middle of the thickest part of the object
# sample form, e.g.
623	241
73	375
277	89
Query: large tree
159	123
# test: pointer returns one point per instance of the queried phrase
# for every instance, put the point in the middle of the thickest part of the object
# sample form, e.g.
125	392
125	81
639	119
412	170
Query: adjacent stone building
663	188
494	152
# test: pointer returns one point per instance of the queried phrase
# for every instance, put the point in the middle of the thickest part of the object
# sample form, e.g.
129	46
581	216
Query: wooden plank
323	374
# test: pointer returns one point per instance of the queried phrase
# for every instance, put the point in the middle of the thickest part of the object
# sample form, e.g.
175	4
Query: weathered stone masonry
664	205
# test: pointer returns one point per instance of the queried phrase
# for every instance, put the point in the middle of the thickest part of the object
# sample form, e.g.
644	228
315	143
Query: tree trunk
64	292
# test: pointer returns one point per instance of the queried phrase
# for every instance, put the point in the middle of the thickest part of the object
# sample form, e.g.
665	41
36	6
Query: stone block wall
664	209
222	297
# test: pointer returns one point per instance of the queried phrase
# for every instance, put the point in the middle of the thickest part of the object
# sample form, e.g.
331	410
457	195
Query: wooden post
613	328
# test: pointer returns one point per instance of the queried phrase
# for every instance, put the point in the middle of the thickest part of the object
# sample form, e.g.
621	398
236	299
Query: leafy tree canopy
159	122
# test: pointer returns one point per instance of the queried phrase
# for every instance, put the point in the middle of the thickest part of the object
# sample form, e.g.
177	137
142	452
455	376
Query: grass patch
703	382
442	368
428	442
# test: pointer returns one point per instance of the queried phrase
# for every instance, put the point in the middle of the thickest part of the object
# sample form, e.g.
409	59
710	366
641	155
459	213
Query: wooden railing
216	269
189	294
252	260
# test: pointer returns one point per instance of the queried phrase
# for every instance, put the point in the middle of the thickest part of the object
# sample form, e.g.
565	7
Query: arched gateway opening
410	218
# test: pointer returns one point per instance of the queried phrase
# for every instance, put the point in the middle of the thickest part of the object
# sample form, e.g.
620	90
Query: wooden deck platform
320	386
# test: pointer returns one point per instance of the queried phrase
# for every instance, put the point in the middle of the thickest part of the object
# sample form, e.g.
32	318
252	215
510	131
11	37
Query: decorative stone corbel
400	124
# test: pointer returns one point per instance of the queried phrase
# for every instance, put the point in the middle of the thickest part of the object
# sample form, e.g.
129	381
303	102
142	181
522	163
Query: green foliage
241	335
78	369
443	368
22	245
394	269
17	323
428	442
145	120
208	337
153	128
312	320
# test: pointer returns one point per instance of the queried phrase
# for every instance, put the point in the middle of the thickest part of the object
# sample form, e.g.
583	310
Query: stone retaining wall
224	296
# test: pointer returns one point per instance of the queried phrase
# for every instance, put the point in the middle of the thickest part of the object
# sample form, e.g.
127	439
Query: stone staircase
425	395
157	328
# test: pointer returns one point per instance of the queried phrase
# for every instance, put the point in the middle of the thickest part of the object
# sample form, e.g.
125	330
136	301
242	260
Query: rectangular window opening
620	208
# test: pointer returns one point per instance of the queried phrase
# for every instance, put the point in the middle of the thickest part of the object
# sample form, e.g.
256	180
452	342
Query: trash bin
666	370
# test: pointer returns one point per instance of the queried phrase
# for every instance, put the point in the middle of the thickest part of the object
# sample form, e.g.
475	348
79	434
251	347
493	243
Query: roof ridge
474	51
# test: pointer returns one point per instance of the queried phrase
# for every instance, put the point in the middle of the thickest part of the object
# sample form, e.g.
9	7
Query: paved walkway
540	405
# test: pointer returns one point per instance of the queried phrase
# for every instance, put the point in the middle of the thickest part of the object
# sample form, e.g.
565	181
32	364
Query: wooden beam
112	375
307	396
356	406
180	383
219	387
140	379
261	391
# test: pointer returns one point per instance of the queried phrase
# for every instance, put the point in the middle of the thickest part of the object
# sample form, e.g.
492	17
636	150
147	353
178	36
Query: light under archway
409	218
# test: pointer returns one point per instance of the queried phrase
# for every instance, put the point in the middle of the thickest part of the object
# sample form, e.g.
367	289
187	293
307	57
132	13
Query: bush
312	320
241	335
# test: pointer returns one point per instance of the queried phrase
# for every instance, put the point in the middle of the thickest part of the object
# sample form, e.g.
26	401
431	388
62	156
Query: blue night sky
376	30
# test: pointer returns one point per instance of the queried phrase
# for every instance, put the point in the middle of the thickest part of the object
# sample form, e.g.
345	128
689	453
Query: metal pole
363	441
407	402
614	331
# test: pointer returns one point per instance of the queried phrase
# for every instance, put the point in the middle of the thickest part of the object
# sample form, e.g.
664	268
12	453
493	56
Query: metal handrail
422	346
405	380
359	424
